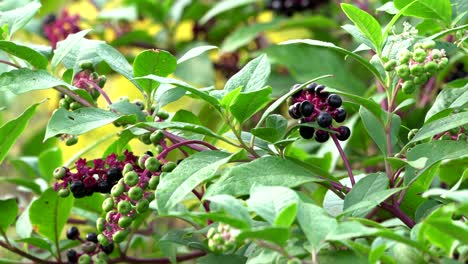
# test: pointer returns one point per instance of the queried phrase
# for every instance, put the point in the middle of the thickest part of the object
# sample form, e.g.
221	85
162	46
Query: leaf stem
345	159
73	95
396	211
186	143
10	63
25	254
101	91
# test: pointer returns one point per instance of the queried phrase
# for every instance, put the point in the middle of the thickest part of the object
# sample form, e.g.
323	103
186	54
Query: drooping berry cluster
222	239
228	64
58	28
416	67
289	7
314	104
91	250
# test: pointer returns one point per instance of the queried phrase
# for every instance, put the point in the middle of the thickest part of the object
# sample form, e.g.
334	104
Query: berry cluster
289	7
58	28
415	68
228	64
222	239
147	113
91	250
315	104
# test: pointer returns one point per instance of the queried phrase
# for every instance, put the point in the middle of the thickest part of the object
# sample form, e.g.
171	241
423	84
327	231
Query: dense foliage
258	131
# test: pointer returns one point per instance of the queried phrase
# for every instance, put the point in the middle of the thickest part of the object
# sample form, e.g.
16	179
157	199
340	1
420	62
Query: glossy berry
321	136
63	193
416	70
114	174
128	167
72	256
420	79
408	87
108	249
419	55
131	178
306	108
124	207
311	87
72	140
108	204
120	236
390	65
92	237
156	136
306	132
117	189
135	193
100	225
59	173
152	164
403	71
125	221
153	183
430	44
84	259
320	92
103	240
324	119
293	112
168	167
88	247
405	56
73	233
339	115
431	67
343	133
334	100
298	93
78	189
142	206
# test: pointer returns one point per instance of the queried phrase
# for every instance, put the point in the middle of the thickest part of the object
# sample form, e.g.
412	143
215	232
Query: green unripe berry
431	67
125	221
153	182
128	167
75	105
142	206
63	193
135	193
403	71
150	196
102	81
117	189
59	173
168	167
145	138
436	54
84	259
139	103
430	44
103	240
86	65
419	55
88	247
163	115
102	256
100	224
416	70
120	236
405	57
64	104
390	65
131	178
443	62
156	136
158	149
68	99
109	215
420	79
152	164
108	204
141	161
408	87
124	207
211	232
412	133
95	94
72	140
417	46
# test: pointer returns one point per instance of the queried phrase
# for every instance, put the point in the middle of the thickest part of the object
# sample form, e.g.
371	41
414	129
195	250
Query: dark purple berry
294	111
78	189
334	100
306	132
340	115
72	256
92	237
306	108
343	133
324	119
108	249
321	93
73	233
321	136
114	174
49	19
311	87
149	153
104	187
298	93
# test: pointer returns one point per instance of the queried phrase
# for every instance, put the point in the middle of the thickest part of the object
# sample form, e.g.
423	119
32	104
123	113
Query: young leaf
249	103
230	206
441	125
274	130
368	25
277	235
11	131
35	58
431	9
192	53
66	45
9	210
222	7
157	62
26	80
78	122
252	77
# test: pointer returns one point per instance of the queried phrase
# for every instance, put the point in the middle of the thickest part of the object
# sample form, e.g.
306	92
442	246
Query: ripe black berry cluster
289	7
314	104
416	67
222	239
91	250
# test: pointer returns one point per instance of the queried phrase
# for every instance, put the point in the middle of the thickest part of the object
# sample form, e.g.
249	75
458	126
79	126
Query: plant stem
127	259
345	159
185	143
10	63
397	212
101	91
74	96
25	254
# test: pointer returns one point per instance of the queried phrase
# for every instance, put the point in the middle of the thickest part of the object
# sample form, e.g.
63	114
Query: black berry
149	153
72	256
321	93
104	187
311	87
294	111
339	115
108	249
298	93
343	133
50	19
306	108
306	132
321	136
78	189
334	100
324	119
114	174
92	237
73	233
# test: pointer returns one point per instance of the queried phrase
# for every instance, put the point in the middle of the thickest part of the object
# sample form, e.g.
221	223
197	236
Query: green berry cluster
222	239
416	67
147	112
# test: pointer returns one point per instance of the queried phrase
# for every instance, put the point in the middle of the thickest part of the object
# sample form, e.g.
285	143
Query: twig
25	254
185	143
10	63
127	259
74	96
397	212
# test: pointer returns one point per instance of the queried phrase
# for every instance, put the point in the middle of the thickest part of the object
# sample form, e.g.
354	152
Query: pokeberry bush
364	160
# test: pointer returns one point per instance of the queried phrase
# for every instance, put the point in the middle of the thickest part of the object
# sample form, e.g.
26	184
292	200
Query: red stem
345	159
185	143
396	211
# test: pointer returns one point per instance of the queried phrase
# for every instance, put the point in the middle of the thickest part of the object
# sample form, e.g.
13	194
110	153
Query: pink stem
345	159
186	143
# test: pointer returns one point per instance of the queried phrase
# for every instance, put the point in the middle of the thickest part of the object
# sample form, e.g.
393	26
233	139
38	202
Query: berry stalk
345	159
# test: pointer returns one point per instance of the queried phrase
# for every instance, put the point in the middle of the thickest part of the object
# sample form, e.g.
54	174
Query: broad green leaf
184	127
191	172
276	204
441	125
49	213
369	104
274	130
358	35
23	224
315	223
268	171
23	182
79	121
11	130
431	9
252	77
222	7
19	17
368	25
350	229
230	97
332	46
84	49
277	235
120	144
35	58
154	62
230	206
49	160
25	80
192	53
167	94
244	35
9	209
249	103
127	108
91	203
66	45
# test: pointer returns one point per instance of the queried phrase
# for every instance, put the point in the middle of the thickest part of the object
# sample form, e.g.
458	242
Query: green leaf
35	58
25	80
315	223
368	25
350	229
430	9
249	103
156	62
222	7
225	259
9	209
276	204
332	46
11	131
359	36
183	126
397	15
19	17
252	77
277	235
49	160
78	122
230	97
120	144
274	130
37	242
230	206
195	52
268	171
23	182
127	108
167	94
66	45
441	125
49	213
244	35
191	172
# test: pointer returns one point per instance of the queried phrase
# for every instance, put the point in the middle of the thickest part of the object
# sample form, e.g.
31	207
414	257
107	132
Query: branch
127	259
186	143
25	254
397	212
10	63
